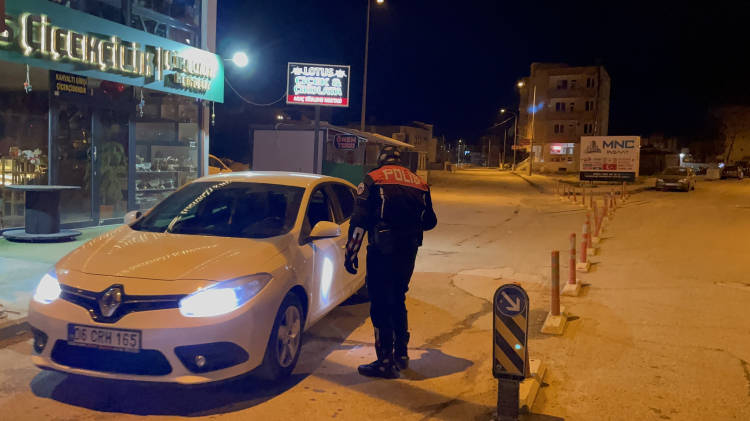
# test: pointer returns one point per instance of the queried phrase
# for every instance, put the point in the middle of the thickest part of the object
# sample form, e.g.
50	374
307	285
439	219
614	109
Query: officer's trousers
388	277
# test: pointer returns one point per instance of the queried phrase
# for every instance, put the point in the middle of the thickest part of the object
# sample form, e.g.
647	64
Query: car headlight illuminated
682	180
224	297
48	289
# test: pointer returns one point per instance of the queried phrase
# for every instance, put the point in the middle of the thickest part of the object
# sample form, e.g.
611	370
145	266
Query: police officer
393	207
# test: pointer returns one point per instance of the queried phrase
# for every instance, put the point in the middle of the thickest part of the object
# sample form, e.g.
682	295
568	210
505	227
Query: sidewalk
22	265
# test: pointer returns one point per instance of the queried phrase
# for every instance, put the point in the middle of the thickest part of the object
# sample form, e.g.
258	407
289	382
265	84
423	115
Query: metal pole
315	143
533	115
489	150
515	141
572	261
505	140
364	80
555	284
507	400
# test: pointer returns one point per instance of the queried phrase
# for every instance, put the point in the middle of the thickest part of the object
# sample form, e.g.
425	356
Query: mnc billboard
610	158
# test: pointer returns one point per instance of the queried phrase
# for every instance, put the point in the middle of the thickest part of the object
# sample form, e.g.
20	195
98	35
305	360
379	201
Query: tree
733	121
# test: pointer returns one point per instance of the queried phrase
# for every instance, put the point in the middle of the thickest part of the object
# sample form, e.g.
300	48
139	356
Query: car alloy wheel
288	336
285	344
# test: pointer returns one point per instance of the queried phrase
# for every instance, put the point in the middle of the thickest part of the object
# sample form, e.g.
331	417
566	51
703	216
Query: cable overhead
250	102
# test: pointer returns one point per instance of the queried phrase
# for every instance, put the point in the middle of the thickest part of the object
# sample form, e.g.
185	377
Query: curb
533	184
529	388
13	328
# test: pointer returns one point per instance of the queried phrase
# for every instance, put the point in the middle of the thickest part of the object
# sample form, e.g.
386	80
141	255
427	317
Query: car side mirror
133	216
325	229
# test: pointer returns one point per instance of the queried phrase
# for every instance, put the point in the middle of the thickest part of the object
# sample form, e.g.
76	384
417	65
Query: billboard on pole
610	158
326	85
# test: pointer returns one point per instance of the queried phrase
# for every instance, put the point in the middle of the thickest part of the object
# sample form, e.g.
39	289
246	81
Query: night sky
455	64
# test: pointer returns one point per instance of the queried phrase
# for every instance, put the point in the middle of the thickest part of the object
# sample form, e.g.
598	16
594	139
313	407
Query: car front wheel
285	343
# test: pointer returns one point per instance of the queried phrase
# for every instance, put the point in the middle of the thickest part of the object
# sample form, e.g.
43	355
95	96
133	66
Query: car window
226	209
345	198
213	162
319	208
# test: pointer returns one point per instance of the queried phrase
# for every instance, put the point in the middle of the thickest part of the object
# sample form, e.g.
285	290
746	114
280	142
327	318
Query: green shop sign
47	35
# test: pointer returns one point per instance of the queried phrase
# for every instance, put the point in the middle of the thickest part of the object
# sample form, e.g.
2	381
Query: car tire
286	339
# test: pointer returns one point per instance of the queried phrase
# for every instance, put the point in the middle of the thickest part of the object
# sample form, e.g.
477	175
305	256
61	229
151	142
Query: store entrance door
71	158
111	143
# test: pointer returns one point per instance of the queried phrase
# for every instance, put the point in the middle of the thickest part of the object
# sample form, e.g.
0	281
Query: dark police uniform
393	207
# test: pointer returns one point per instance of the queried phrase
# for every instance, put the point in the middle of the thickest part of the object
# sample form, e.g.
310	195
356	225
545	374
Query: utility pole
533	110
364	84
489	150
505	139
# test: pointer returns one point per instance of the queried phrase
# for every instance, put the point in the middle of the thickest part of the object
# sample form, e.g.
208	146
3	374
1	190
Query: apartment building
558	105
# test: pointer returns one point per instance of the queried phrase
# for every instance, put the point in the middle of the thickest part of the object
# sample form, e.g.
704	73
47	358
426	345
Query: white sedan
219	279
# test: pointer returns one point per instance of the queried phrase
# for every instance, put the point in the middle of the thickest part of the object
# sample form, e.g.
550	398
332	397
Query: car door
324	256
344	197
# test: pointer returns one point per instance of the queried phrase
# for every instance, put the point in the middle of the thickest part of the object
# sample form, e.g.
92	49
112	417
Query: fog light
40	340
200	361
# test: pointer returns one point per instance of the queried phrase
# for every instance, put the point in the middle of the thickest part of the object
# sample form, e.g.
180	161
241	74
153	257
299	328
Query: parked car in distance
732	171
216	166
676	178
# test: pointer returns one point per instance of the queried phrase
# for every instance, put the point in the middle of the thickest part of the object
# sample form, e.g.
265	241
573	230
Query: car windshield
675	171
730	168
226	209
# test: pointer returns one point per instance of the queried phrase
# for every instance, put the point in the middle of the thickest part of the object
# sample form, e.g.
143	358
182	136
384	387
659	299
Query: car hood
137	254
672	178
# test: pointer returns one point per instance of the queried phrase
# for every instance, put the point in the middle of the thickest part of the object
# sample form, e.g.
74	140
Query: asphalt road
661	331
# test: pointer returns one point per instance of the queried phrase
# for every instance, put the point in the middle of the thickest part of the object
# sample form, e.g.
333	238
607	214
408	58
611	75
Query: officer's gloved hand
351	263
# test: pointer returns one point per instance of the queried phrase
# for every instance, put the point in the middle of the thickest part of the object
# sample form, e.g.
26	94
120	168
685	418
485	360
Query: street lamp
239	59
364	80
521	84
515	133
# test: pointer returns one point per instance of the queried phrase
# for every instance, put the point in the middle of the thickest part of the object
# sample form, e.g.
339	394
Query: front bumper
668	185
168	343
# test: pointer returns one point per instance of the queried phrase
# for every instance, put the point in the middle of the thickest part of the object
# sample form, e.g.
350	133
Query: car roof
296	179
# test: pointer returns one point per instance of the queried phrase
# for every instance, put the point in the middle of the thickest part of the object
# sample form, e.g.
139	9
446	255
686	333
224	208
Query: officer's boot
383	367
401	351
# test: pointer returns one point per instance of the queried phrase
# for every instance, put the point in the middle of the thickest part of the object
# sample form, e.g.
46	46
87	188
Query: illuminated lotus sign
318	84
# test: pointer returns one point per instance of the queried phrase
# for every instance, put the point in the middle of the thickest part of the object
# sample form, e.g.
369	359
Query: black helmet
389	155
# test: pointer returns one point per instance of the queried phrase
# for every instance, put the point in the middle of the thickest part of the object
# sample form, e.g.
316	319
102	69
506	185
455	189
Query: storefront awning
370	137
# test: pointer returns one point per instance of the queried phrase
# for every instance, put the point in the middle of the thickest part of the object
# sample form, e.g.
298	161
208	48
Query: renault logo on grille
110	301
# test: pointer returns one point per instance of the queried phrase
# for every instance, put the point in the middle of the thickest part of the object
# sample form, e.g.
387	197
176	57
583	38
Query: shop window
24	125
167	145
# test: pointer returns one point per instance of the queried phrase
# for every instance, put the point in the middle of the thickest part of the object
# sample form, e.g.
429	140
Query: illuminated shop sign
71	83
345	141
58	38
318	84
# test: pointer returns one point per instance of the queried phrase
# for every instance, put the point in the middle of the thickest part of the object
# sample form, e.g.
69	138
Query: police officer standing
393	207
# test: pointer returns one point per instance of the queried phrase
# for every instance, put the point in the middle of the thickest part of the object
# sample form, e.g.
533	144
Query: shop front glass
167	145
24	123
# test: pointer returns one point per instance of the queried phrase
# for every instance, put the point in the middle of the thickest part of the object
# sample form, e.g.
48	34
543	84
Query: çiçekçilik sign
46	35
317	84
610	158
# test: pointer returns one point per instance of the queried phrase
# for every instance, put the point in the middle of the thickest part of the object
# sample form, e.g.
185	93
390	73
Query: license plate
104	338
673	185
